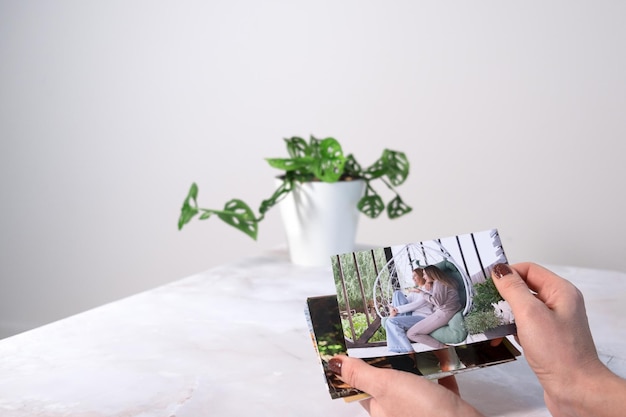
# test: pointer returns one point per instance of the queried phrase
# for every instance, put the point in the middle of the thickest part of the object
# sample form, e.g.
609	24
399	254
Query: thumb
358	374
396	392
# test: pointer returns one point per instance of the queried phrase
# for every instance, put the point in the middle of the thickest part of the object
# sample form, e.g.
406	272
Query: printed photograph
432	296
327	335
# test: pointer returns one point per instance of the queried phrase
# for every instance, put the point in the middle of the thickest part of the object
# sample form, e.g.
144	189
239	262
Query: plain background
511	113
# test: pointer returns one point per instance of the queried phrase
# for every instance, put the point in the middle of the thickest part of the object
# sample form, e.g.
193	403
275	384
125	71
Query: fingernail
334	364
500	270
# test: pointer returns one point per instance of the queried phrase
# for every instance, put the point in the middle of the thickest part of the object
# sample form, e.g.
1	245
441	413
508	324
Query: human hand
393	312
553	330
398	393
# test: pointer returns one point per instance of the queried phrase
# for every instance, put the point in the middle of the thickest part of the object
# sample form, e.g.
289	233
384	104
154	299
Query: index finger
514	289
550	291
548	286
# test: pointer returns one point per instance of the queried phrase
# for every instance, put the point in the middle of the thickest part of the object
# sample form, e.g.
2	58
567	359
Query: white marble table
233	341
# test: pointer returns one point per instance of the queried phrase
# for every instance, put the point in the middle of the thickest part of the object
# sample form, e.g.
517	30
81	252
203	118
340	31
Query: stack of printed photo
429	308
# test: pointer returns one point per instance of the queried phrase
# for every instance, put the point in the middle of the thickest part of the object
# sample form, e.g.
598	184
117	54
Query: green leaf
290	164
329	166
297	147
313	145
397	208
377	169
371	205
352	167
397	166
280	192
188	211
239	215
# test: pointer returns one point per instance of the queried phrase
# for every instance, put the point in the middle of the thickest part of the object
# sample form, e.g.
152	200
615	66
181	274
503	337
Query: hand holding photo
429	308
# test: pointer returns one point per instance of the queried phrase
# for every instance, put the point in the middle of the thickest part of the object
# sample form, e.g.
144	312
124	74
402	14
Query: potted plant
310	166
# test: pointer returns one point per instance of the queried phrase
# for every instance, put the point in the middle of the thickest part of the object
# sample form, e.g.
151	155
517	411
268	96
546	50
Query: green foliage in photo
482	315
479	321
485	294
328	348
360	326
358	294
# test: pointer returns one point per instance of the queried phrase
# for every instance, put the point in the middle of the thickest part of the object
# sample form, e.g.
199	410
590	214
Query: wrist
594	391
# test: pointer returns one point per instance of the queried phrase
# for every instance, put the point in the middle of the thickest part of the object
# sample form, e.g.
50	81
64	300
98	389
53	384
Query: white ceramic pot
321	220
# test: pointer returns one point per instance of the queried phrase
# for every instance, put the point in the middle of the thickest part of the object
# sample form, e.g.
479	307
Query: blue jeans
396	327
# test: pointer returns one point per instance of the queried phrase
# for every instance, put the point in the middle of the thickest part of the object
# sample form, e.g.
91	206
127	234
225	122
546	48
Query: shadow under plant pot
321	220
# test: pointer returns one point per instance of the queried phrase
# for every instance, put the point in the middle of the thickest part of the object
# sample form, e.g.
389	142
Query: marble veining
233	341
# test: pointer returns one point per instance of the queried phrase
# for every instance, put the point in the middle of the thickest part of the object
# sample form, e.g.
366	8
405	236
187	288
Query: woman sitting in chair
406	311
445	300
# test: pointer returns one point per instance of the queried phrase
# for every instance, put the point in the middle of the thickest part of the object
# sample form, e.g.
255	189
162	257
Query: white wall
512	114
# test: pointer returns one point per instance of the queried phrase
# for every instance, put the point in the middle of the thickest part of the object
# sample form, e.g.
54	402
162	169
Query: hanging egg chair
397	275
